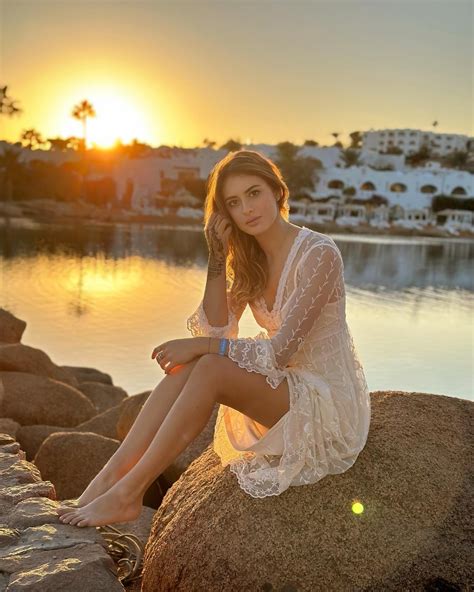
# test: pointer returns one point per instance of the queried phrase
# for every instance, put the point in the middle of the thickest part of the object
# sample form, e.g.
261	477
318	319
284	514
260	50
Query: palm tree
10	165
82	111
350	157
356	139
58	144
32	138
7	104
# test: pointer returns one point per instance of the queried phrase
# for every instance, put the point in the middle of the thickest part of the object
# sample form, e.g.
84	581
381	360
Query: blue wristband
222	345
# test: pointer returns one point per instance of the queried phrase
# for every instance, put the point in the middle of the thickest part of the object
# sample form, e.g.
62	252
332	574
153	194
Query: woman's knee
209	366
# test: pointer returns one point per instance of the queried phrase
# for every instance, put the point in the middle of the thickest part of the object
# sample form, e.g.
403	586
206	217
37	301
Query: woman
293	400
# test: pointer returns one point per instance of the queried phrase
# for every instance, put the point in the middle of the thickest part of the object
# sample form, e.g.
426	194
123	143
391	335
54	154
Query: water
105	296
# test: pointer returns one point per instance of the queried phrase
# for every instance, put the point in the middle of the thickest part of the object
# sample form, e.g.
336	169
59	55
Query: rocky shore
60	424
49	211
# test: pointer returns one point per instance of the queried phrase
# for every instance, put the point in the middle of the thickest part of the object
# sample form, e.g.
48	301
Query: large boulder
31	437
104	424
413	479
11	328
130	409
29	399
103	396
8	426
71	460
86	374
17	357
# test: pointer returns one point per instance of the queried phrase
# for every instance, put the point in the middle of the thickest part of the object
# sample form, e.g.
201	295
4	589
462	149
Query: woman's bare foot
109	508
101	483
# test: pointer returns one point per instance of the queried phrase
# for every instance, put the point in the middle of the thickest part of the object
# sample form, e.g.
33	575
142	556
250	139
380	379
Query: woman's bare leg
142	432
214	379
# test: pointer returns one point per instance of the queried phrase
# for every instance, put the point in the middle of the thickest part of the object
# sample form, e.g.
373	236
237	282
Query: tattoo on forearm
217	257
215	267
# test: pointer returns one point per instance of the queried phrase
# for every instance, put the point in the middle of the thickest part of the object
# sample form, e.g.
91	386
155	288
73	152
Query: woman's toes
66	517
75	520
83	522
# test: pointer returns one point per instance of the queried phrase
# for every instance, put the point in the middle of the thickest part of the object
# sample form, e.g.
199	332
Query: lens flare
357	508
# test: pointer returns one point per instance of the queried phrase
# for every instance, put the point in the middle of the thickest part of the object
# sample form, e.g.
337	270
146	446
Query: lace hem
199	326
314	447
264	363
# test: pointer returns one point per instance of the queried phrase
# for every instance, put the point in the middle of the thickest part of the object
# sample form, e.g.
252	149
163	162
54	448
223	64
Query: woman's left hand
174	353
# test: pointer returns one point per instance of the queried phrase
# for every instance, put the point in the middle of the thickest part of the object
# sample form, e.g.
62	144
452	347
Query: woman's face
247	197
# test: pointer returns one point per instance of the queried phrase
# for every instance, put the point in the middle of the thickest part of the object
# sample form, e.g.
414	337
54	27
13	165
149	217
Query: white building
380	217
454	220
411	188
351	215
410	140
414	218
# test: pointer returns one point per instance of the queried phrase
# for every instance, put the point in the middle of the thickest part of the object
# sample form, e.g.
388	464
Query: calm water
105	296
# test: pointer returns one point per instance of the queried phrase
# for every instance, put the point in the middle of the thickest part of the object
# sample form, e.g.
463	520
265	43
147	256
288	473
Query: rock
72	459
16	493
130	409
16	357
6	440
37	552
58	557
32	436
21	472
11	328
413	479
103	396
140	527
104	424
30	399
33	511
9	426
84	374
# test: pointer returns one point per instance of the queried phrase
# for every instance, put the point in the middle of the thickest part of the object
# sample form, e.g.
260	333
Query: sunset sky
260	71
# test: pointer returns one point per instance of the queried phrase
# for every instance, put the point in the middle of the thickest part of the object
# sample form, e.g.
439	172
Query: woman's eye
231	202
255	191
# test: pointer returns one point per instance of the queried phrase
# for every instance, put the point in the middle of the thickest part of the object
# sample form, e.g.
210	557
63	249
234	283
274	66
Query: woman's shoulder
314	237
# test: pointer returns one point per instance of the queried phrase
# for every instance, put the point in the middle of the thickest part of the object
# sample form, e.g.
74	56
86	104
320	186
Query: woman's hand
175	352
217	232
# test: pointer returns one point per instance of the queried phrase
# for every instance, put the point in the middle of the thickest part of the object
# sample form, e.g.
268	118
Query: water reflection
104	296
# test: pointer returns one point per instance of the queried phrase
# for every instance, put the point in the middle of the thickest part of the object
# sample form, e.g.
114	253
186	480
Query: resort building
411	140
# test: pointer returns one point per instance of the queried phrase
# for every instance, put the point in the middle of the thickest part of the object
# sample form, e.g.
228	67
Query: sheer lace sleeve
199	326
319	269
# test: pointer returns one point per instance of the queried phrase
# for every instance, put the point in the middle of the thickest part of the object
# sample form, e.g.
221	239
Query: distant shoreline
113	217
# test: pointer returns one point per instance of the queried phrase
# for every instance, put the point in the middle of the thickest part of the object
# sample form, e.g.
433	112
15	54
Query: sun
118	118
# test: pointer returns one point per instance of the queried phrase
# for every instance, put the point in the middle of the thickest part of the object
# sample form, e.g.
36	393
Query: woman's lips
254	220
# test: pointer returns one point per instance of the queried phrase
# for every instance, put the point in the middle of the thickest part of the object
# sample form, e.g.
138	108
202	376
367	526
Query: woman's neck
274	242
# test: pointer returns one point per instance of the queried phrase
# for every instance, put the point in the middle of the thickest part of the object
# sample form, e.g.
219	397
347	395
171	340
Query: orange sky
176	73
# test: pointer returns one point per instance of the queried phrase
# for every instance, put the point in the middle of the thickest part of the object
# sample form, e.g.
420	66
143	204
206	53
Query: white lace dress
307	341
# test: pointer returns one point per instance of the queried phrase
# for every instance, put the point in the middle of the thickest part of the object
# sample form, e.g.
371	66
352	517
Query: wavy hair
246	264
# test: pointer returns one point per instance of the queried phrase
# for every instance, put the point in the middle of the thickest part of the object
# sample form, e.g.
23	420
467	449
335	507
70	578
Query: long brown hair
246	265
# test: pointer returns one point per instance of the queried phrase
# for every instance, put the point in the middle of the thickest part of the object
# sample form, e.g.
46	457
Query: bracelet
222	346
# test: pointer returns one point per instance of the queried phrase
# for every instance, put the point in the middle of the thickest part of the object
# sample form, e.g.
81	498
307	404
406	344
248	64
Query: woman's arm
216	314
208	345
215	299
